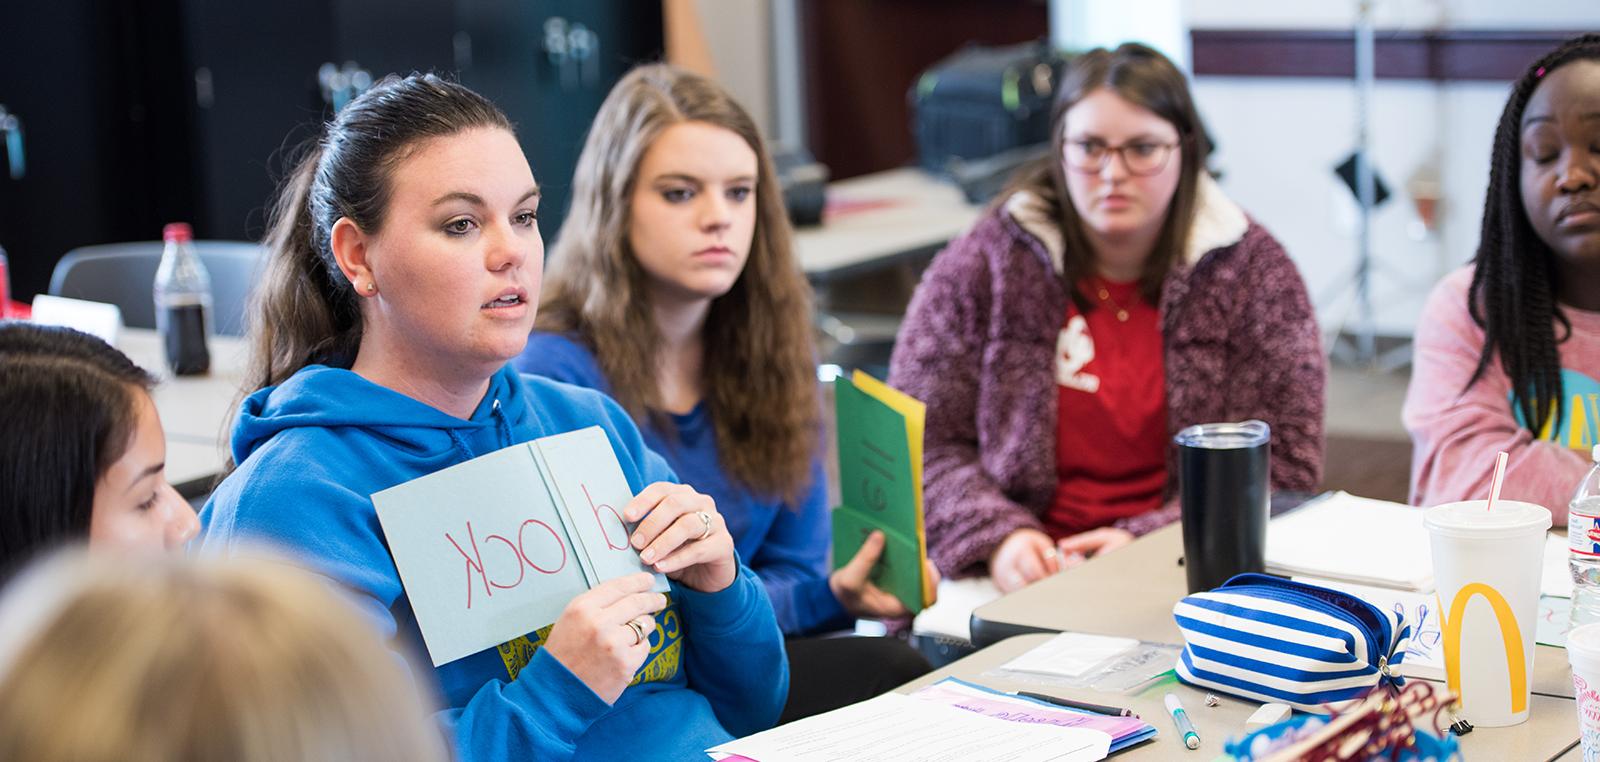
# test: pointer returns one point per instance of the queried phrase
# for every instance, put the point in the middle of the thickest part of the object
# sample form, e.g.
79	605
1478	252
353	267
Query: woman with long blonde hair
673	287
166	659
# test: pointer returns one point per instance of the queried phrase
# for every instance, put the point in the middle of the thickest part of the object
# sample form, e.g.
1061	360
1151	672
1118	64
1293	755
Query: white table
864	259
899	213
1550	732
193	468
1129	593
196	411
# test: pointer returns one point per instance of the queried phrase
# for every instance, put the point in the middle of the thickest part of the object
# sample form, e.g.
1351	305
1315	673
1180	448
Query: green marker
1191	739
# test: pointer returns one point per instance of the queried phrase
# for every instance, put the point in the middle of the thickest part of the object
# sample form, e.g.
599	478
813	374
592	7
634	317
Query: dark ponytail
305	311
1512	297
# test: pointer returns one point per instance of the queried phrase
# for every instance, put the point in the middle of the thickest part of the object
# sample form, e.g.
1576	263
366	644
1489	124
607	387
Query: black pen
1082	705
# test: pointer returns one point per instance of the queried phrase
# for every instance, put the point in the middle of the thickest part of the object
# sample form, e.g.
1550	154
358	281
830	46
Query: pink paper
1021	710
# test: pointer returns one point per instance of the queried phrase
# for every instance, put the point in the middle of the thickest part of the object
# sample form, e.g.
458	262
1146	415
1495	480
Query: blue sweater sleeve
497	722
792	562
735	657
543	711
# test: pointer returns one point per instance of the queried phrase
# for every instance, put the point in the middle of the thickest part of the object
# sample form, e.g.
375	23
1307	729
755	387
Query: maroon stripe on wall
1441	55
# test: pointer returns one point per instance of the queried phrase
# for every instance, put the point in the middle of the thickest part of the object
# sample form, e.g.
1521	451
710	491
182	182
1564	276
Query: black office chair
124	274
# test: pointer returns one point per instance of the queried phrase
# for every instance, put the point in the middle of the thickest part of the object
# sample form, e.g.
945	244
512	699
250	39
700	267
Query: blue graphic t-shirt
1579	425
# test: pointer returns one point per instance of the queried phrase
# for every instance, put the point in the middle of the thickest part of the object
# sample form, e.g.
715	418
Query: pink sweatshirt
1455	435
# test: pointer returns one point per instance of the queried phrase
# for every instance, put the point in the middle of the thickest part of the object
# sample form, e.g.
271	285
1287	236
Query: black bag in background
982	101
803	181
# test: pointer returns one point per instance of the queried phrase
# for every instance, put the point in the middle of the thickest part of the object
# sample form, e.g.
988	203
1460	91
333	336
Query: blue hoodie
312	450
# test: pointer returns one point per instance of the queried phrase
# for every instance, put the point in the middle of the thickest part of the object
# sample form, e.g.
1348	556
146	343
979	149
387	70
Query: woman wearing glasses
1111	296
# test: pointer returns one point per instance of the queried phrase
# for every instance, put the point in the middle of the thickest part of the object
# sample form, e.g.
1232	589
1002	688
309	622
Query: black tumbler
1223	477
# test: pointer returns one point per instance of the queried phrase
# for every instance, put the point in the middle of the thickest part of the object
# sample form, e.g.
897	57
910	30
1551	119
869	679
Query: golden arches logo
1510	635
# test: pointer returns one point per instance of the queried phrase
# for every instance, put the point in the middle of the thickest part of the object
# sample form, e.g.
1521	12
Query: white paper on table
1425	651
1070	654
1555	616
1354	539
951	615
1554	578
94	318
898	728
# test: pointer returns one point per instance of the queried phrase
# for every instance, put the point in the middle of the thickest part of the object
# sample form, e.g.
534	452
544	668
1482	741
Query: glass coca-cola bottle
183	303
5	286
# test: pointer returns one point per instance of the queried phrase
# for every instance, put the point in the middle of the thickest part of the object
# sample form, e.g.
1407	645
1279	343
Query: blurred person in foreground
147	658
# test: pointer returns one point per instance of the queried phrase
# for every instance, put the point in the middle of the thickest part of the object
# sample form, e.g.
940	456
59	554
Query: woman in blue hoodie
405	273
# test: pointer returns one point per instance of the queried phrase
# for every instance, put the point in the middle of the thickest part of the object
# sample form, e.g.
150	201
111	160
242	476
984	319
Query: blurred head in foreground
160	658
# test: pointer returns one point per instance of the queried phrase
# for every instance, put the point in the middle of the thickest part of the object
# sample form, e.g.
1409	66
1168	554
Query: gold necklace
1105	296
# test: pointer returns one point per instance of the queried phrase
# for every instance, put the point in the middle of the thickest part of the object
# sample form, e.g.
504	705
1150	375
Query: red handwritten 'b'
476	566
602	524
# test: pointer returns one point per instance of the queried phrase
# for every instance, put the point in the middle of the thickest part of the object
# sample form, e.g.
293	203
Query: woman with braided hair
1508	348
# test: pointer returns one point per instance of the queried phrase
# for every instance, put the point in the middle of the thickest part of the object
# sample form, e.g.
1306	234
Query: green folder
880	484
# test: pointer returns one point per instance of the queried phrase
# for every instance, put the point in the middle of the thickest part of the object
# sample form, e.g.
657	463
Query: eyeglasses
1143	158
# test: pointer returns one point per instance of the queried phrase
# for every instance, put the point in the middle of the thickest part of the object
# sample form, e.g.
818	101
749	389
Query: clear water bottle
1583	544
183	303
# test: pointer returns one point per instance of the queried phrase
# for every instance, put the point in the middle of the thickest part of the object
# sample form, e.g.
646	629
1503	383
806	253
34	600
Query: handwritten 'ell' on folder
495	547
880	484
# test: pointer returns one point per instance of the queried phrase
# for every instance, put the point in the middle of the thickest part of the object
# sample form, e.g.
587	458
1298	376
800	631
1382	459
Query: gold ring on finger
705	525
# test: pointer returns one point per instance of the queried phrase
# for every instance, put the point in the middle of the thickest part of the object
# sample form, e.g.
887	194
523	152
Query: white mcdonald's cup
1486	567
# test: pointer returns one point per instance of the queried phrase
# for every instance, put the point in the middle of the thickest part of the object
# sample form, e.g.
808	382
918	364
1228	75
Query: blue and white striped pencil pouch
1271	639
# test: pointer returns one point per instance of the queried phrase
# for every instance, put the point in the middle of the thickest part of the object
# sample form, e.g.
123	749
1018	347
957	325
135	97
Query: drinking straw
1499	475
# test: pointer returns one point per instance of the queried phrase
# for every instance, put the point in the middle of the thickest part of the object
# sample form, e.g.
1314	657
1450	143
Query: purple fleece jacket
978	344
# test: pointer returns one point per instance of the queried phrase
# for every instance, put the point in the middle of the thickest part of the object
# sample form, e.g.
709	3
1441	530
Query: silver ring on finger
638	630
705	525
